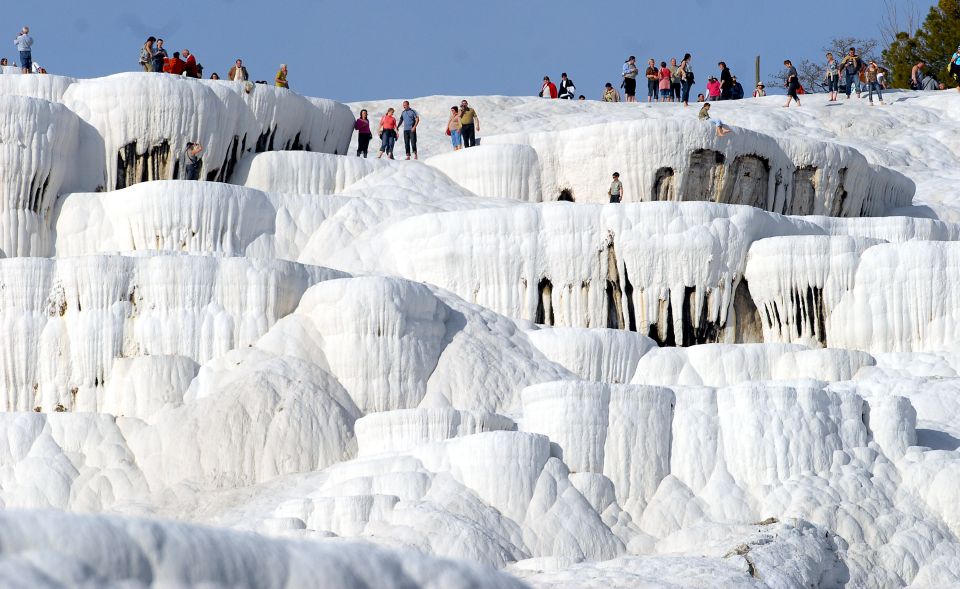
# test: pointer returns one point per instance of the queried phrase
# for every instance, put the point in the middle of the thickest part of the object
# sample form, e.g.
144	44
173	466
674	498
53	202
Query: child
704	115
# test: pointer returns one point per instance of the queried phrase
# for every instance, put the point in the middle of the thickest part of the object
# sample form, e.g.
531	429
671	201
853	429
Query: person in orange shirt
388	134
177	65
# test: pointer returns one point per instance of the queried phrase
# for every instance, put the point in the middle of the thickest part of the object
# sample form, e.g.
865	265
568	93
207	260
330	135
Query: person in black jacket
567	89
726	81
736	93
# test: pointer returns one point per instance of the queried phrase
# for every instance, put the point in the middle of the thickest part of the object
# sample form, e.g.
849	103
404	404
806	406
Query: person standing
873	82
388	134
567	89
159	56
610	94
615	192
629	85
453	128
665	88
653	81
726	81
192	161
851	66
410	120
362	126
832	77
676	83
548	89
687	80
24	43
713	89
191	64
281	78
760	92
793	83
955	67
469	124
146	54
238	73
736	93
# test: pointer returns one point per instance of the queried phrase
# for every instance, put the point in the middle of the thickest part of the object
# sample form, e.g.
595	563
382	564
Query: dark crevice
544	315
134	167
628	291
566	195
663	185
613	291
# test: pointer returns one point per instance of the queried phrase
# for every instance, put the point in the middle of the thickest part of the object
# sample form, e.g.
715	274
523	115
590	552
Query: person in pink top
388	134
362	126
666	88
713	89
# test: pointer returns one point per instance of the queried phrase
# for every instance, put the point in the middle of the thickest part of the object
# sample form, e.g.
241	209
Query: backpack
690	79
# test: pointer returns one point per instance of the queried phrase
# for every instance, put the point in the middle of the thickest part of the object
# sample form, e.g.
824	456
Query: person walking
793	83
362	127
238	73
726	81
388	134
453	128
687	80
567	89
24	43
615	192
676	84
761	91
159	57
548	89
704	115
832	77
410	120
665	86
916	75
192	161
851	65
873	82
610	94
653	81
469	124
629	84
280	80
713	89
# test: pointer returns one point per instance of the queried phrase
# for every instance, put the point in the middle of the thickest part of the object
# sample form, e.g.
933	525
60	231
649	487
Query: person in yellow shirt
281	79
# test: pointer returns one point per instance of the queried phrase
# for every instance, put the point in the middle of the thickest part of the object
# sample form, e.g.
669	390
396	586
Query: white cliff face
759	389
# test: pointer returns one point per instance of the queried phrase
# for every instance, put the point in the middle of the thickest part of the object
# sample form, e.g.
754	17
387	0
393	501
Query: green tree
933	43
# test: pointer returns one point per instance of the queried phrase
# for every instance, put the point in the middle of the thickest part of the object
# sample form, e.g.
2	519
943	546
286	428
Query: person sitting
177	65
929	83
704	115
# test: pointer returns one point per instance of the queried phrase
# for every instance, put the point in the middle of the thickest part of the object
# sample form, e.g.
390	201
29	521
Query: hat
760	85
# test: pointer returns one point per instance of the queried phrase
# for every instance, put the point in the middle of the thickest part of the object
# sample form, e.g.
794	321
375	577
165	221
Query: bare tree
902	16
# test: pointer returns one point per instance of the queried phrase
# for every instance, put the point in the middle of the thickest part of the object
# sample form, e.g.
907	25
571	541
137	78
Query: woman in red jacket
549	89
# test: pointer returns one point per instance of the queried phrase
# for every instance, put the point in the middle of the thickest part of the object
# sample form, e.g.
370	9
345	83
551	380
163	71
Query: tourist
159	57
704	115
581	97
238	73
388	134
610	94
687	80
882	77
653	81
281	78
665	85
192	161
629	84
736	92
214	76
713	89
24	43
548	89
700	98
929	83
567	89
792	84
851	65
916	75
177	65
362	127
761	91
954	68
832	77
146	54
191	64
453	128
469	124
676	83
726	81
615	192
873	83
410	119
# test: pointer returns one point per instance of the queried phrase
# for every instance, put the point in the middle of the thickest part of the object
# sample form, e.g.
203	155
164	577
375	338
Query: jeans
410	138
653	89
192	171
833	85
466	130
26	60
363	143
851	80
455	138
875	86
684	91
388	141
675	90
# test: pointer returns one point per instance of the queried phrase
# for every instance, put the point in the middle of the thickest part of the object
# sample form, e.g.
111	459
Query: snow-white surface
318	353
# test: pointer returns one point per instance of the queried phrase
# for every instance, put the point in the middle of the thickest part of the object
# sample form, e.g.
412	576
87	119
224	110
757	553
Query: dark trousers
410	138
725	94
192	171
675	86
684	91
363	143
469	139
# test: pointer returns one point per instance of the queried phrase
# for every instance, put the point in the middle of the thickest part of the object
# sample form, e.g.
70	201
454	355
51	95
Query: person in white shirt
24	43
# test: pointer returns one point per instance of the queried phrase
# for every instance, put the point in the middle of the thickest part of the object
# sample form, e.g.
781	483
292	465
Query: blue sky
367	49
